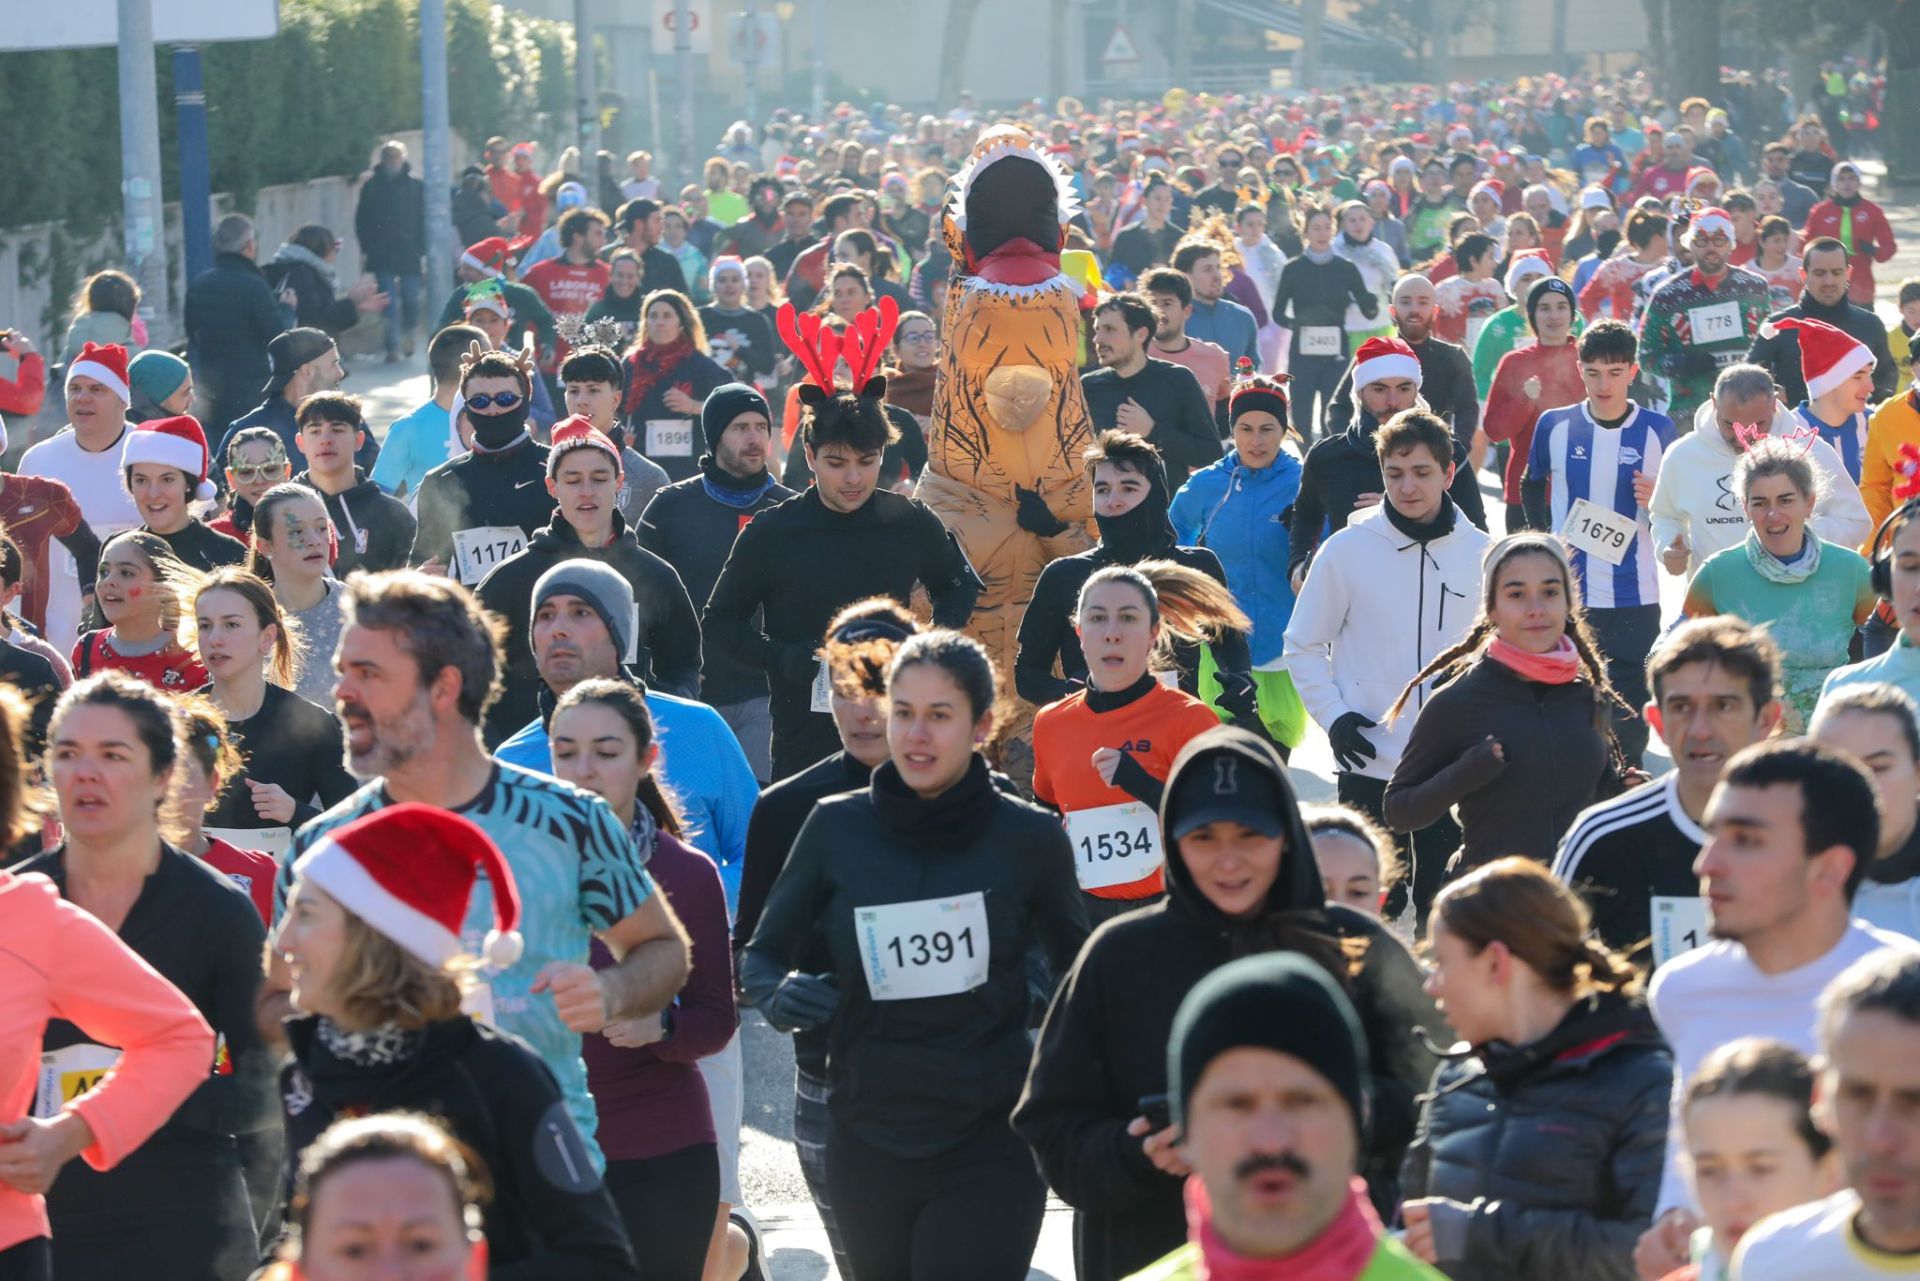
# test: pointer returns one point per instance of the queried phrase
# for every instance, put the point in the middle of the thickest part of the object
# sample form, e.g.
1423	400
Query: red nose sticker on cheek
134	593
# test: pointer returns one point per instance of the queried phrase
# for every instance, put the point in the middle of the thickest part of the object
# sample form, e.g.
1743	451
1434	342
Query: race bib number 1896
933	947
669	437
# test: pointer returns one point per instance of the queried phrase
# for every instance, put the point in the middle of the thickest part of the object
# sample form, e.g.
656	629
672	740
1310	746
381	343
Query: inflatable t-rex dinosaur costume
1009	420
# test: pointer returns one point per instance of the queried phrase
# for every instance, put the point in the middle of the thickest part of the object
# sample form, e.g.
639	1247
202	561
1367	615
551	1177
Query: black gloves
800	1003
1239	698
1351	749
1035	516
1131	777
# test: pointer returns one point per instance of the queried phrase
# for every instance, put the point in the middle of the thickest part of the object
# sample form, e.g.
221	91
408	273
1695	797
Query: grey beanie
597	584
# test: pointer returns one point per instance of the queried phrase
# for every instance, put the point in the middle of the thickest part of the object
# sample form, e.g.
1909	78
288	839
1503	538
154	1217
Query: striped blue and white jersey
1581	459
1849	439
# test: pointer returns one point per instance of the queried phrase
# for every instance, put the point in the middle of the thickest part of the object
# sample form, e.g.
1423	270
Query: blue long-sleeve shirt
1227	325
704	767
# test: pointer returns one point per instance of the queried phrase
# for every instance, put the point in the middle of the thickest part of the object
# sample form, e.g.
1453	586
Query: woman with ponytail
1541	1143
656	1121
1518	741
1101	755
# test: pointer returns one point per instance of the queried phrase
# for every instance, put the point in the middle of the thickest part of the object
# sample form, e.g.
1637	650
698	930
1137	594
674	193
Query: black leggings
971	1213
669	1205
28	1261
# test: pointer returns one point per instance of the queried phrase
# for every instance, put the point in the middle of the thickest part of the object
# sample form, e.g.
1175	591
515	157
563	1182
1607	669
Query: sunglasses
499	399
262	471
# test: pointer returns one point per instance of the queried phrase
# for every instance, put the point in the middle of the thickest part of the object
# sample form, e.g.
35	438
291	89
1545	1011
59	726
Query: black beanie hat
1541	288
726	403
1273	1001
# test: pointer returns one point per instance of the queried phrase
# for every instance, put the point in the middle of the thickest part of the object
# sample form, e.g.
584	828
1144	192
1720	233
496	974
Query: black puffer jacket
1547	1156
1104	1044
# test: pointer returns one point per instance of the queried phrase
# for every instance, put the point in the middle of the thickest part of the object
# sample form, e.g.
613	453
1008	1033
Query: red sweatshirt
1511	413
26	391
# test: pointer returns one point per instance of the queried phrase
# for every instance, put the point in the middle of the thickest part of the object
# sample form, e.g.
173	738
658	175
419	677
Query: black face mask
1141	533
498	430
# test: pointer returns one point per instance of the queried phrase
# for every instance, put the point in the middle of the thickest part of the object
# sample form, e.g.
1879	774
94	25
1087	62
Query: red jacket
1872	240
1511	413
27	390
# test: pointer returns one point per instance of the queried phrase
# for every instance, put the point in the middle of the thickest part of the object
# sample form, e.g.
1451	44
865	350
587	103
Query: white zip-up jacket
1375	609
1693	493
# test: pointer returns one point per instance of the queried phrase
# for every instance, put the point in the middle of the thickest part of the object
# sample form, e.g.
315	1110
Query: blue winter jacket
1242	515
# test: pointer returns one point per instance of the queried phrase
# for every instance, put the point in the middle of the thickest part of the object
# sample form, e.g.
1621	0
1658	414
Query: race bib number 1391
932	947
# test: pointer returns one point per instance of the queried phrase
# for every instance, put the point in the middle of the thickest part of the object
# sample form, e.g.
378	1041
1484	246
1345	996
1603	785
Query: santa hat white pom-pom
206	492
503	950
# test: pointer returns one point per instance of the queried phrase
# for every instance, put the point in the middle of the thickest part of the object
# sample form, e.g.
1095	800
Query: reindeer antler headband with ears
522	359
819	348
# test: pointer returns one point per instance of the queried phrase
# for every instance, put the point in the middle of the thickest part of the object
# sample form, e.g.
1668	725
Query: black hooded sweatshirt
1103	1046
506	489
1340	468
376	530
1046	629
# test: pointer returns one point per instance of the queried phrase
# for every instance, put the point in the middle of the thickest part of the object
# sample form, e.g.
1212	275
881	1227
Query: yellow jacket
1895	423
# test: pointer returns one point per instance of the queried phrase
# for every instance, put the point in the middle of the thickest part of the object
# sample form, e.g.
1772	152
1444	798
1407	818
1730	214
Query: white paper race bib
1320	340
669	437
822	697
1599	531
1114	844
933	947
1679	925
67	1074
1715	322
267	840
477	551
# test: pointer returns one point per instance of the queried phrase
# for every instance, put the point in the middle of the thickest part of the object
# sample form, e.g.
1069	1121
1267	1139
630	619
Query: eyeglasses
262	471
490	400
920	335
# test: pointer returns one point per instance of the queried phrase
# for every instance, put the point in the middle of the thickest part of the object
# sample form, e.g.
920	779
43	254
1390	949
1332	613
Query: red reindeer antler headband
819	348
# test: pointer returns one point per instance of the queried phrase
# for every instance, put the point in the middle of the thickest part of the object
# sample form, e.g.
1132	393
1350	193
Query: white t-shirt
98	487
1714	994
1817	1242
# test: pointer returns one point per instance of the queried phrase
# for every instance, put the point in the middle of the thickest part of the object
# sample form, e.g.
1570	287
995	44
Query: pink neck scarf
1340	1253
1557	666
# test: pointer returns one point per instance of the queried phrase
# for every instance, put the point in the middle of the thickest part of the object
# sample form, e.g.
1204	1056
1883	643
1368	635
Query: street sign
1120	51
87	24
699	26
761	39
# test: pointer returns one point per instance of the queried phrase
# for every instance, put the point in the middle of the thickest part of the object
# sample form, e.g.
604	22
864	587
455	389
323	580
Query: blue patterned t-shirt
577	872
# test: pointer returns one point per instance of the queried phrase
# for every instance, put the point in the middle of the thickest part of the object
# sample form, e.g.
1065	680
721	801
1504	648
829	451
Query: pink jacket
56	961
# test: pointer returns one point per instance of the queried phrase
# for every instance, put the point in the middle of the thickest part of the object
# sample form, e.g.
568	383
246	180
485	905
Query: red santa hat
105	363
488	255
1489	187
1828	355
578	432
408	871
1382	358
1699	174
1706	221
172	442
1527	265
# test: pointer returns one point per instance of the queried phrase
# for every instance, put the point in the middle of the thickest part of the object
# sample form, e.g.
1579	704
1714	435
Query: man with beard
479	509
418	664
1823	266
1446	373
760	229
1157	400
691	525
1702	319
796	226
304	361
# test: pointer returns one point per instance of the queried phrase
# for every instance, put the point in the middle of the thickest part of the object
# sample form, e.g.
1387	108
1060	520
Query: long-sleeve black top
797	564
1315	295
1183	424
203	934
550	1215
916	1077
296	745
507	489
